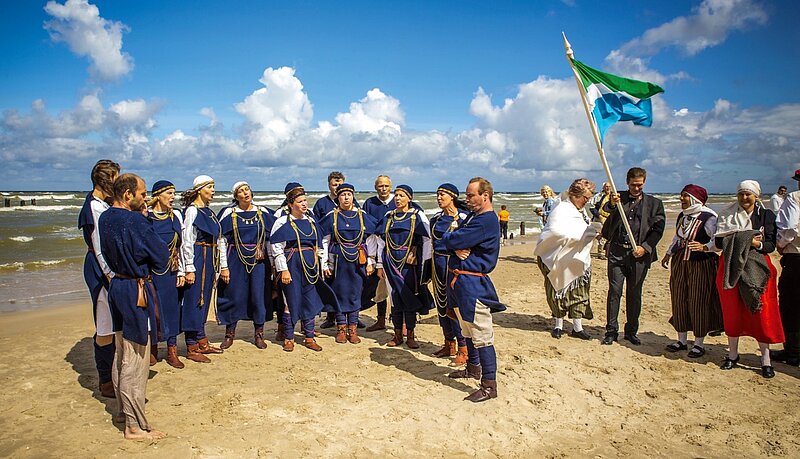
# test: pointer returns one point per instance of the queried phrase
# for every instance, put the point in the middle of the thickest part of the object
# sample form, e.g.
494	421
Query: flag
613	98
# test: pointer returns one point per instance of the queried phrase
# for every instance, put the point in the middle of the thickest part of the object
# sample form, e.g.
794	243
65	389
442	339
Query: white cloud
78	23
373	114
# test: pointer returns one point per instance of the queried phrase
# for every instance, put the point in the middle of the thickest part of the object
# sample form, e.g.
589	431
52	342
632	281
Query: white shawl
732	219
565	246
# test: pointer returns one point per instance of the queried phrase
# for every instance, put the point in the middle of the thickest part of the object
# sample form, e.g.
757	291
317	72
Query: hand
225	275
327	272
639	251
189	278
412	257
381	274
695	246
108	278
615	198
462	254
665	261
180	281
370	270
538	211
756	241
286	277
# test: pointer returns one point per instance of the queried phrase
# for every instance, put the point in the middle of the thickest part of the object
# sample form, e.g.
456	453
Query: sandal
696	352
677	346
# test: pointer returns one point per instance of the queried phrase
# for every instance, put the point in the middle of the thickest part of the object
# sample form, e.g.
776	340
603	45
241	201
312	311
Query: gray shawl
745	267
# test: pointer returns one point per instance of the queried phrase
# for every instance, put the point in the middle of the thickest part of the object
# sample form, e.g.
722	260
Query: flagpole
596	135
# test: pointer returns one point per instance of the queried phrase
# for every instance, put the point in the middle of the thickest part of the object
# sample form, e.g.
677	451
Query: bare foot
135	433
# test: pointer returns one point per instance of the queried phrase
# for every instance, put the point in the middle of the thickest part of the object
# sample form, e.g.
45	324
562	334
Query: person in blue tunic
200	252
300	259
376	290
245	292
403	252
133	250
447	219
167	223
347	229
476	245
96	271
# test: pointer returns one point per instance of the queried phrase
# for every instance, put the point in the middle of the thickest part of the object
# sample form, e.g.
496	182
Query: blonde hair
547	192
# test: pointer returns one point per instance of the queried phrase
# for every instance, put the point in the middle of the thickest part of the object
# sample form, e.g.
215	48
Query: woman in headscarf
550	202
746	278
347	229
403	250
200	252
245	292
564	257
446	220
300	259
695	301
168	224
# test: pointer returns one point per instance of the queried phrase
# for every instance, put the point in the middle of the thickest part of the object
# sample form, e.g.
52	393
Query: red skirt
765	325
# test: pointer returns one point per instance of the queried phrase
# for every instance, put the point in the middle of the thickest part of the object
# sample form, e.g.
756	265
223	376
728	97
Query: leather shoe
633	339
677	346
609	339
471	371
728	364
488	390
580	335
767	371
556	333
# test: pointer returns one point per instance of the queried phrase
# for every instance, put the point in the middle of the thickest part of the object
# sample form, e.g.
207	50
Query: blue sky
424	91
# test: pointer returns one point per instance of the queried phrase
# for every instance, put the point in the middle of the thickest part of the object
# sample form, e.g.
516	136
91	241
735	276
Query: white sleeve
97	210
189	236
276	249
223	243
372	249
181	265
381	244
323	251
427	244
711	228
787	222
674	243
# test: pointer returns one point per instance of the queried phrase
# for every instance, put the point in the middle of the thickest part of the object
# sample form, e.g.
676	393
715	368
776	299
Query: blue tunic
92	273
132	249
440	224
481	234
299	241
197	297
324	205
348	231
408	292
248	295
169	306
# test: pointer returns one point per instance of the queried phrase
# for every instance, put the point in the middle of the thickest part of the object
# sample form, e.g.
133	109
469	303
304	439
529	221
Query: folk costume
95	270
346	233
132	249
200	252
788	224
746	278
695	301
403	252
455	345
166	317
243	251
296	245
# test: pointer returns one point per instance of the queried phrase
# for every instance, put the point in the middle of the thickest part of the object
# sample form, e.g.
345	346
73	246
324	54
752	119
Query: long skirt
765	325
695	301
575	302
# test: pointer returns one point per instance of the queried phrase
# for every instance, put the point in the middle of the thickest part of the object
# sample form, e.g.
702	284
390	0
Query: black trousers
504	229
789	301
625	270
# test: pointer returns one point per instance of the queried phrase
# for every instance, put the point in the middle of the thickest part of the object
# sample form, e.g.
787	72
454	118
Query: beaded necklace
248	256
310	271
440	285
399	263
172	245
345	243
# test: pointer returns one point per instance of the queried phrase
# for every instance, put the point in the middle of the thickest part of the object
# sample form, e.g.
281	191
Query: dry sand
558	398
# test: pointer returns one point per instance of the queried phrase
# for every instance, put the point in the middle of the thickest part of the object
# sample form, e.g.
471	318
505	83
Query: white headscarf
238	185
200	181
733	218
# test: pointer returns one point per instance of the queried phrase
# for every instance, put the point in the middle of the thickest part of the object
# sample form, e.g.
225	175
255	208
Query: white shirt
775	202
788	224
98	206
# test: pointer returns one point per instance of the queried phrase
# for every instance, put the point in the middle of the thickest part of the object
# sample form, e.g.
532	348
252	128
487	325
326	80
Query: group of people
155	271
721	275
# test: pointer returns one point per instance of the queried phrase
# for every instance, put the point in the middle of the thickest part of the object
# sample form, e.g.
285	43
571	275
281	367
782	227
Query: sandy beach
557	398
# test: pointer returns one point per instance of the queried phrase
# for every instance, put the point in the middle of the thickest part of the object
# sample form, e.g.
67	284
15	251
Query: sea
42	250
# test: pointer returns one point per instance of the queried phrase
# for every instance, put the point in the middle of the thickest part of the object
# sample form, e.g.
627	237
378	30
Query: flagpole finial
567	46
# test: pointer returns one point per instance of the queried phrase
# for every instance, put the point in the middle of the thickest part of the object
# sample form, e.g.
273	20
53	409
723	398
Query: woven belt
459	272
206	244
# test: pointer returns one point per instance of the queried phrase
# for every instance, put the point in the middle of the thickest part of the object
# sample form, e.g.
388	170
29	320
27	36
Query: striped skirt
574	303
695	301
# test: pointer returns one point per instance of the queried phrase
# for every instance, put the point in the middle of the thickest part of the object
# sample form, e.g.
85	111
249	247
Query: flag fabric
613	98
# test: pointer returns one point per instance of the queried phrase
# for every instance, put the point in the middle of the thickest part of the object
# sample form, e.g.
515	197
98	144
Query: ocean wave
21	238
38	208
20	266
42	197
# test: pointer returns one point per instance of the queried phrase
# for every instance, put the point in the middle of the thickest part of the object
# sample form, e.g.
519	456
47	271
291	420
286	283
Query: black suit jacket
652	224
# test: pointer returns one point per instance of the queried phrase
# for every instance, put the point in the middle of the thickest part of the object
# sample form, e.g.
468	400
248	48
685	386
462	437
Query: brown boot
258	338
153	353
487	390
107	390
193	354
341	334
461	356
280	334
288	345
471	371
397	340
380	324
410	341
227	342
352	334
448	350
311	343
172	357
207	348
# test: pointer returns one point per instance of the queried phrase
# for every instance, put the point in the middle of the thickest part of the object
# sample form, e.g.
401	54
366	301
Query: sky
424	91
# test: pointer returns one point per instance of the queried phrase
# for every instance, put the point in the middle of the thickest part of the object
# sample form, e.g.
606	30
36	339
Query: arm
787	222
188	237
181	264
223	242
657	222
322	252
97	210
